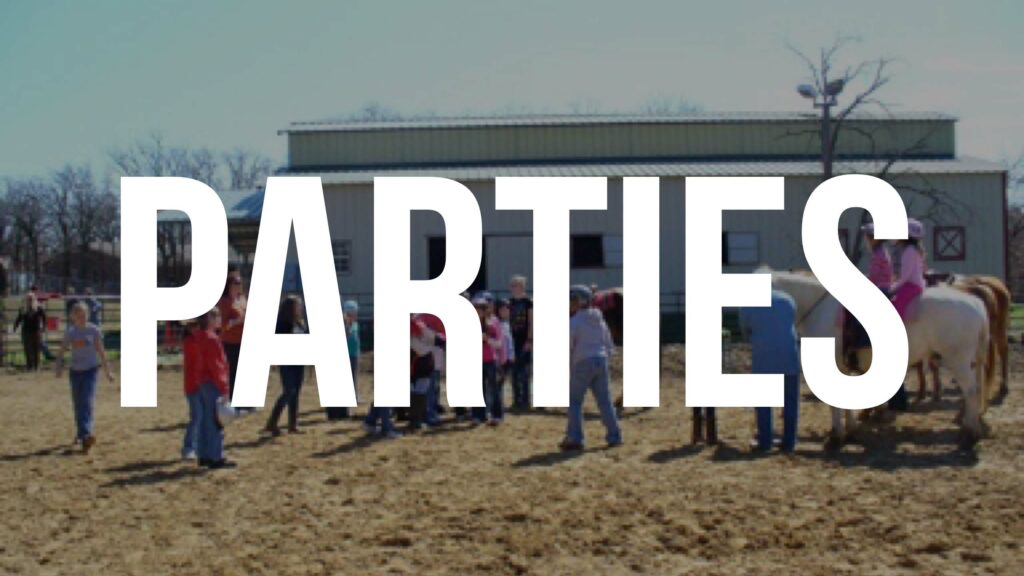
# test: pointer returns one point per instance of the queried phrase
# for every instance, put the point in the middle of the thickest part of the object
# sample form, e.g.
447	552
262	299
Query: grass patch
1017	318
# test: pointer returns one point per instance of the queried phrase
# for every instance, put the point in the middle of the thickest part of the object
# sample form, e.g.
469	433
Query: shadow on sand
58	450
156	477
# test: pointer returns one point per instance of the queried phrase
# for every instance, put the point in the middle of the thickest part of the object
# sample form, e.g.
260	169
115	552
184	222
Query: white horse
946	323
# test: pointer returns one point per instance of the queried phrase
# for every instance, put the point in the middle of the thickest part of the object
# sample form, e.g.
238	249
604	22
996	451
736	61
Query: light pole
824	101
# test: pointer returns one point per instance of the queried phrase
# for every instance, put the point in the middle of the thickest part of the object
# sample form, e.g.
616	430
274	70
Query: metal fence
108	318
169	334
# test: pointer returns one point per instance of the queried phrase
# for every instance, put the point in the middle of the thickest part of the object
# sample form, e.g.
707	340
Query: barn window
613	251
342	257
949	243
587	251
740	248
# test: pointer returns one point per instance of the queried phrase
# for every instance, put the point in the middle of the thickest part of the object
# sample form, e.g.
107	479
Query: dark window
587	251
343	257
740	248
436	256
949	243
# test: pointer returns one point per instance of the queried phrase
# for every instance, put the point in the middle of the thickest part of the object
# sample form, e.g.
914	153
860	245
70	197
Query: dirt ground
464	500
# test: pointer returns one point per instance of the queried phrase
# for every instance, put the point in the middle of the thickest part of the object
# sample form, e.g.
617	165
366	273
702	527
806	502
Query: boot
698	426
712	424
417	412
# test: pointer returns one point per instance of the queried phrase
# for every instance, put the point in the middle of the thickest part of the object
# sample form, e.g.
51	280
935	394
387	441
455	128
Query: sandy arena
503	500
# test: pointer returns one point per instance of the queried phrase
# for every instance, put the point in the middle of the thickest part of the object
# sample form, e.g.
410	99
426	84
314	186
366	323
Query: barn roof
963	165
344	125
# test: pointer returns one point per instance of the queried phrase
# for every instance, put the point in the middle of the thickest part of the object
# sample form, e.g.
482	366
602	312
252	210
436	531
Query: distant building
962	200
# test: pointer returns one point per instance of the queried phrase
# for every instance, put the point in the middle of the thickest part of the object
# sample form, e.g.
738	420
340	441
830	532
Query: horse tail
990	366
984	366
989	300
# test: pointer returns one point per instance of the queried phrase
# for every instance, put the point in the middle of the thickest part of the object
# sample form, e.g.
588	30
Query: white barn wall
509	243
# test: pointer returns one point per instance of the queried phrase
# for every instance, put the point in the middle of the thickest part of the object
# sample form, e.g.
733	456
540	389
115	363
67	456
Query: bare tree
27	212
68	183
151	156
94	218
246	169
865	80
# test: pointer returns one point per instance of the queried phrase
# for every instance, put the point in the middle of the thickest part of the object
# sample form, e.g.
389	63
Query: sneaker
567	445
222	463
188	455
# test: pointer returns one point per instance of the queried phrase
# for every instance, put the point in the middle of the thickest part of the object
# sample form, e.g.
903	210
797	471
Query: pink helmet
915	229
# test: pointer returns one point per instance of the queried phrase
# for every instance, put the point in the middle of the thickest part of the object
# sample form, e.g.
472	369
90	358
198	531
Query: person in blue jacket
773	340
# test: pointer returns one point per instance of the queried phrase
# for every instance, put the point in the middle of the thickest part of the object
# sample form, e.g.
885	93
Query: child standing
212	371
590	345
32	320
508	356
191	370
232	306
289	321
521	324
87	355
492	341
434	409
350	309
421	369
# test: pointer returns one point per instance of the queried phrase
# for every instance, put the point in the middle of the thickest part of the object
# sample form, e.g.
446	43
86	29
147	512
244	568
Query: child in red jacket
189	349
207	367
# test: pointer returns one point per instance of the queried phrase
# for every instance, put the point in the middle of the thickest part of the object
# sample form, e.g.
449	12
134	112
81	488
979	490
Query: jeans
341	412
479	413
380	414
434	399
521	380
231	352
192	428
591	374
790	417
291	385
83	398
32	342
494	392
210	441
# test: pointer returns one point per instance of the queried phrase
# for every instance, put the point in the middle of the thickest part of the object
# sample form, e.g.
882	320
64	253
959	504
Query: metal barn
961	200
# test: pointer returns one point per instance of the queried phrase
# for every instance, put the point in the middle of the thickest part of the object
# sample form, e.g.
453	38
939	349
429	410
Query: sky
80	78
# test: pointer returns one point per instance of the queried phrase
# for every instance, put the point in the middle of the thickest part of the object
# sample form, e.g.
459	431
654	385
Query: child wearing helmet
911	283
590	345
350	310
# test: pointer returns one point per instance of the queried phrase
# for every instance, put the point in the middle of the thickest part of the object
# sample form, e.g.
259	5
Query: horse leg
936	381
835	436
922	384
967	377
